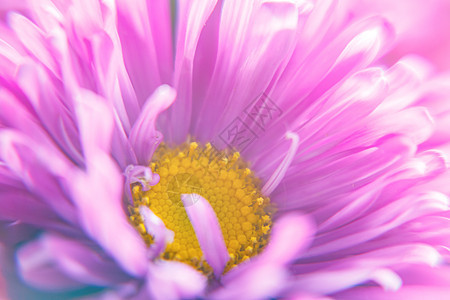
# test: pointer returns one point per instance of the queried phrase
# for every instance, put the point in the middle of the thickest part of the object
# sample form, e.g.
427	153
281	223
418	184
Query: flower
252	145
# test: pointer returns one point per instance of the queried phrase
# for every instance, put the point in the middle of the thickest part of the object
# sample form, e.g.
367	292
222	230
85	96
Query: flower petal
267	34
208	232
174	280
95	132
265	275
98	196
139	46
83	263
143	136
157	229
192	16
330	276
415	292
41	168
37	268
291	235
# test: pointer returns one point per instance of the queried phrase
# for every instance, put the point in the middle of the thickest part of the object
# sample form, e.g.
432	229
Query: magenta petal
37	268
207	228
290	235
32	38
258	281
140	49
143	136
264	276
95	131
140	174
83	263
68	258
157	229
39	167
98	196
174	280
414	292
193	16
18	204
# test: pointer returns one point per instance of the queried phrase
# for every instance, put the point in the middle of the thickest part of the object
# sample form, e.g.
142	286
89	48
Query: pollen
231	188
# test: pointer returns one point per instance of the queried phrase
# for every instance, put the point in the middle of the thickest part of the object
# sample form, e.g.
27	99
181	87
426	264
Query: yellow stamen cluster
223	179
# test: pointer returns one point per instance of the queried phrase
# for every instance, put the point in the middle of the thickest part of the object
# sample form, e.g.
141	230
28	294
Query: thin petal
37	268
264	276
143	136
415	292
41	168
192	16
260	281
95	131
207	228
279	173
82	263
290	236
157	229
104	219
139	47
139	174
174	280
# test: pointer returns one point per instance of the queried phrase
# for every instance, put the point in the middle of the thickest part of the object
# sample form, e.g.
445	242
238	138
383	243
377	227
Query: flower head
218	149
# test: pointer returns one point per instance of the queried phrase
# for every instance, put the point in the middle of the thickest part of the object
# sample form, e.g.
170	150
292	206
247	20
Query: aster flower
220	150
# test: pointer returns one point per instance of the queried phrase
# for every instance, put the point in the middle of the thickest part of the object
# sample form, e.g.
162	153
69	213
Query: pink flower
106	106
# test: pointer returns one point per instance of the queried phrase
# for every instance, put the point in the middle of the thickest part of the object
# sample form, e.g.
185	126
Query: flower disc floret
231	189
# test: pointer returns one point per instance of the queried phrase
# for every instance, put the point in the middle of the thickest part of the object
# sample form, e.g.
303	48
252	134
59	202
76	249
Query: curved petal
98	196
69	258
157	229
208	232
174	280
144	137
37	268
265	275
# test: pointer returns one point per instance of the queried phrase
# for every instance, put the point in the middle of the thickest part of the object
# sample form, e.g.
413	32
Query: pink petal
143	136
265	275
95	132
192	16
259	281
19	205
413	292
33	39
139	174
139	46
83	263
104	219
290	236
157	229
269	30
330	276
37	268
41	168
208	232
174	280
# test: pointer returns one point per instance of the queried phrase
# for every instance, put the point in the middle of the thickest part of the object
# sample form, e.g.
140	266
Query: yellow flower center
230	187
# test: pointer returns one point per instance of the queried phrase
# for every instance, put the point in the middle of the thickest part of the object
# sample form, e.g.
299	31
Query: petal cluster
352	152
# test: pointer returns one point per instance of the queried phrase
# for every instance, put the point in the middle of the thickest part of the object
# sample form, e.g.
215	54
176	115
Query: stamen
210	199
279	173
